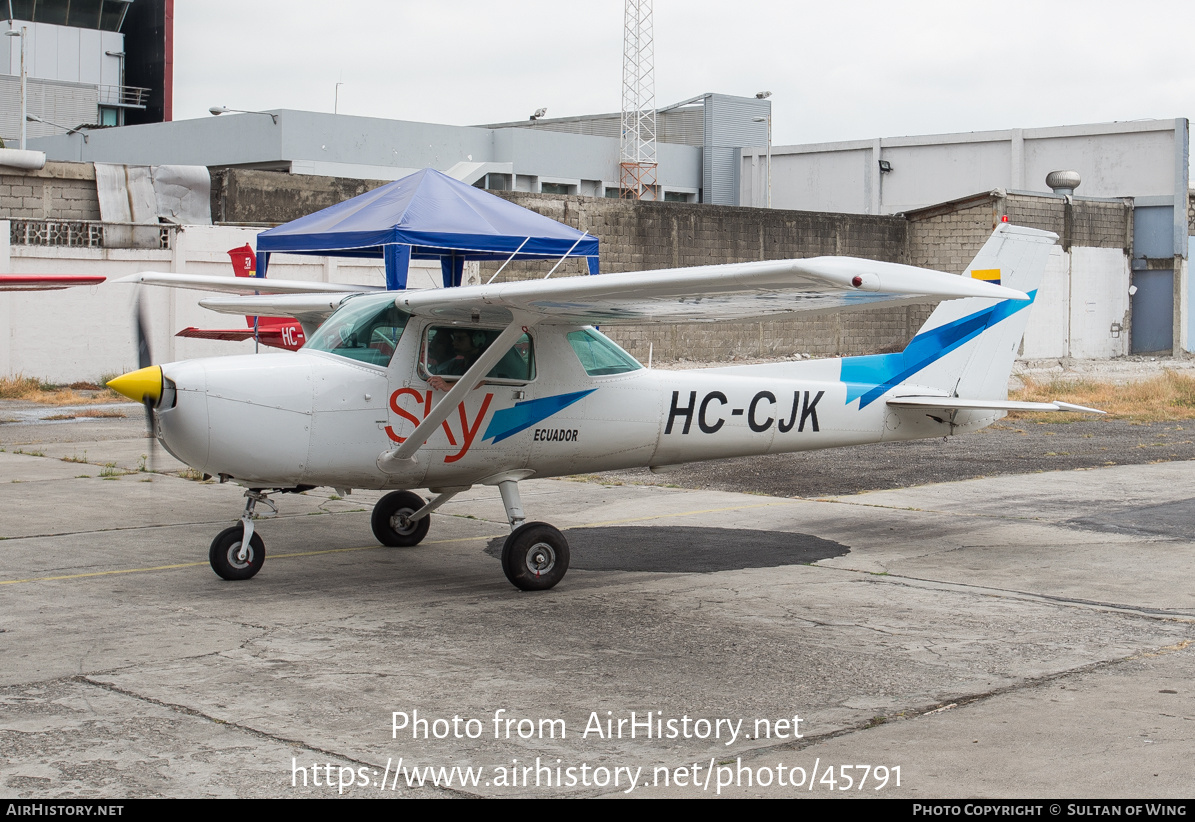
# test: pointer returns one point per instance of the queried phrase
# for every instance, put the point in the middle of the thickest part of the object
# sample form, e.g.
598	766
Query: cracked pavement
1021	635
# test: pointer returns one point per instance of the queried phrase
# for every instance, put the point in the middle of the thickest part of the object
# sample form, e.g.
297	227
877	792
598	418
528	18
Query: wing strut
468	381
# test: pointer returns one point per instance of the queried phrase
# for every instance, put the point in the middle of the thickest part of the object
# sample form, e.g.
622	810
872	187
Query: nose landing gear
236	552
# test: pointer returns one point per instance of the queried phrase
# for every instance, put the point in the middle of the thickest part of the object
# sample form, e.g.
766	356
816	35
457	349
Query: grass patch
112	471
90	413
20	387
1168	396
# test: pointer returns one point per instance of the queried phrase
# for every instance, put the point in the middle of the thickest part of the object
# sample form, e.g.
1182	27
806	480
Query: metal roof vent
1063	182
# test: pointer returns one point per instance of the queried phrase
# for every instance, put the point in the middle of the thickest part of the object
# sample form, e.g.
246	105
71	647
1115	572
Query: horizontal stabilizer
959	404
243	285
231	334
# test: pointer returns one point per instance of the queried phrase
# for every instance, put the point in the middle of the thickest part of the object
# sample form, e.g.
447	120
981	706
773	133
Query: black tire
390	524
535	556
224	550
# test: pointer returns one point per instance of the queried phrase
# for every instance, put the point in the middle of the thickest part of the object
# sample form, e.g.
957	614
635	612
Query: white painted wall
1082	295
1099	298
1046	333
83	333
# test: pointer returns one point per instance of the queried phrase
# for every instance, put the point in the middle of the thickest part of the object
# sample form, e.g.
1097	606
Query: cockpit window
363	329
448	351
600	356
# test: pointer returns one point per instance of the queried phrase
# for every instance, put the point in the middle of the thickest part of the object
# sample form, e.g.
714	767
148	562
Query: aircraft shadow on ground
687	549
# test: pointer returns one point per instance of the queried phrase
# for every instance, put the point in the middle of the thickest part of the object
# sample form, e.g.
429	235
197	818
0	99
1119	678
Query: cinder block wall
645	236
60	191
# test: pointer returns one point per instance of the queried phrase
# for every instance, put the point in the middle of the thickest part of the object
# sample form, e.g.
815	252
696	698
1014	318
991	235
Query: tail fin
244	264
966	347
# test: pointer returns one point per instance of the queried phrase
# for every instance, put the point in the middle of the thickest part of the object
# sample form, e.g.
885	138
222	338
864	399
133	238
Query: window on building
556	188
109	116
497	182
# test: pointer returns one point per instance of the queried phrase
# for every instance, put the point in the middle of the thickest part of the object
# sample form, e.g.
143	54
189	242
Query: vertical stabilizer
966	347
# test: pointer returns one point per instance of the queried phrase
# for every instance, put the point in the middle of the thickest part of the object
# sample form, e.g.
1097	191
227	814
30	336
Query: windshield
366	329
600	356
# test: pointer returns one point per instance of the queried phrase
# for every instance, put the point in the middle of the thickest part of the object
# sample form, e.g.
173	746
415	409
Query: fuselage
316	417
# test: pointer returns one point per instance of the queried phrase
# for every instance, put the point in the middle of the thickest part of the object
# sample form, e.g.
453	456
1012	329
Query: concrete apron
1019	636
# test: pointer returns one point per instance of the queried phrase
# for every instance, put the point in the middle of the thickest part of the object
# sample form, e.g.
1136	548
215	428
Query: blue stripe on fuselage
868	378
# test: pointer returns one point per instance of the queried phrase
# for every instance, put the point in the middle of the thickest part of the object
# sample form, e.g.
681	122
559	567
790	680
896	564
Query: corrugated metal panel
685	126
68	104
10	109
730	124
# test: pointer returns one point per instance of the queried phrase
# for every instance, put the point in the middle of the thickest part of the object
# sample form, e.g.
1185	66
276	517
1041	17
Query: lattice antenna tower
637	164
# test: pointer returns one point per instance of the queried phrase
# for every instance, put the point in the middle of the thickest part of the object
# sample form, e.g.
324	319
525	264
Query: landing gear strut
237	552
535	555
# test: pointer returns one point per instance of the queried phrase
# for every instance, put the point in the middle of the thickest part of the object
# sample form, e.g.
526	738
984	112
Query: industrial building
1118	283
84	63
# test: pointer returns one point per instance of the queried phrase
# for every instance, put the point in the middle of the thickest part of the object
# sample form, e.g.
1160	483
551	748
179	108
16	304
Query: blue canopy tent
427	215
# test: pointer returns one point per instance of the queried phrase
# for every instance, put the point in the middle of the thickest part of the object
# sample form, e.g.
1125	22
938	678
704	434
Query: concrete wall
645	236
269	197
1082	306
60	191
83	333
1080	302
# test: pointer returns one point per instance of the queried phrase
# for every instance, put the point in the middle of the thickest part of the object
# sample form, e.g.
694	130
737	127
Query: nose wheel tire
391	521
535	556
225	558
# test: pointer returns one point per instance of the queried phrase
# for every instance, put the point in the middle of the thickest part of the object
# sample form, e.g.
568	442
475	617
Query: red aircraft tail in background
44	282
273	331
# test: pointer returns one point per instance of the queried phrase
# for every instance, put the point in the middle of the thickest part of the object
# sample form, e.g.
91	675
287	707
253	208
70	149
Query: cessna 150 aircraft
448	388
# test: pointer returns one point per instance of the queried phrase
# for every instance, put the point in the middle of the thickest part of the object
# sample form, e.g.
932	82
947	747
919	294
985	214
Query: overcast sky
841	70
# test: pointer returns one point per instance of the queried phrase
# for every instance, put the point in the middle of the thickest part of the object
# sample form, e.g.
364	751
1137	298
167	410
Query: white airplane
448	388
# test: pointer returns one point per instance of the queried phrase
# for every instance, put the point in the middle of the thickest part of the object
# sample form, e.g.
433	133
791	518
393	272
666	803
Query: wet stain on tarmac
1168	519
688	549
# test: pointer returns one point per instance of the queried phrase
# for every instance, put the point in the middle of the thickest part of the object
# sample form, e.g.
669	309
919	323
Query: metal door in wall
1153	304
1153	311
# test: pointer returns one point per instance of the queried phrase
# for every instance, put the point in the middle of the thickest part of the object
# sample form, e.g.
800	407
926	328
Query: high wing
702	294
44	282
243	285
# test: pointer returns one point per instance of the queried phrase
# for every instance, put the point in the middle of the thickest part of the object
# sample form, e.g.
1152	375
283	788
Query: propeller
145	359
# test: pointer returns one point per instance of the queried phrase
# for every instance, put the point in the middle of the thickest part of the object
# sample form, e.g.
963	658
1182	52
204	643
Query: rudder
968	345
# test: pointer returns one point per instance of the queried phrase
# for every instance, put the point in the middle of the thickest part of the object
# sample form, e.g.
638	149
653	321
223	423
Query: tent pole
570	251
508	259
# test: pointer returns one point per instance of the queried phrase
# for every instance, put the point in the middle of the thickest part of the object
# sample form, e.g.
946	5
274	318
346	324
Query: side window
600	356
448	351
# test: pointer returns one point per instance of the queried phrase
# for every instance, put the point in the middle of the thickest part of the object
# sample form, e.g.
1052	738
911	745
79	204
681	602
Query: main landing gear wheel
535	556
392	523
225	554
